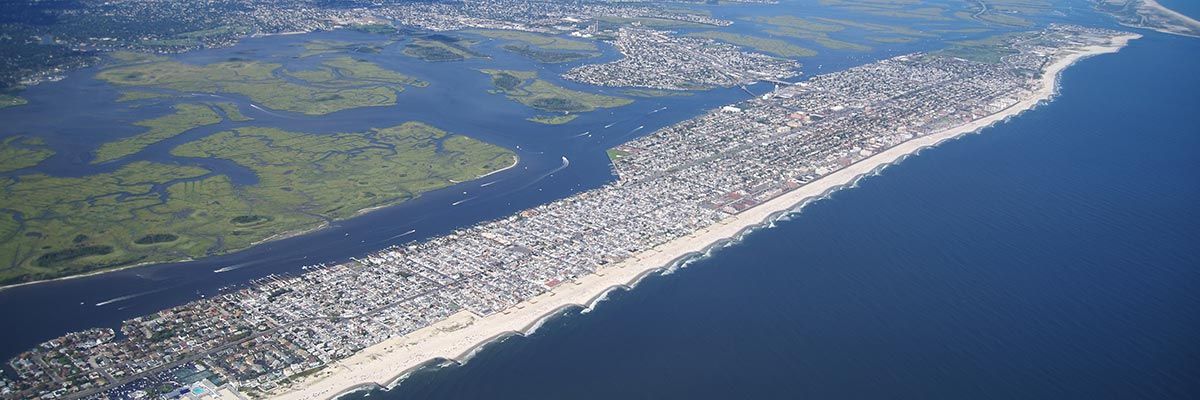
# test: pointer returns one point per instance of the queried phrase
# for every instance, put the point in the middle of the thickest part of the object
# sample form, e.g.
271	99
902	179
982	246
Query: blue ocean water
1052	257
1186	7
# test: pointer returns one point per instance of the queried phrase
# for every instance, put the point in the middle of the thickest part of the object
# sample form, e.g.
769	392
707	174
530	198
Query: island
17	152
186	117
1150	14
156	212
681	191
438	47
524	87
339	83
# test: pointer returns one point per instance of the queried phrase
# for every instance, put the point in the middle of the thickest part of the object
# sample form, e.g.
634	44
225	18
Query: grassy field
147	212
548	56
813	30
340	83
766	45
798	23
435	50
322	47
553	119
539	40
135	95
7	100
614	154
18	152
185	118
524	87
988	50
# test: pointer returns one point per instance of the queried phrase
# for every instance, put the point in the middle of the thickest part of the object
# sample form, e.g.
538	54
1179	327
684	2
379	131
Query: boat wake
233	267
410	231
130	296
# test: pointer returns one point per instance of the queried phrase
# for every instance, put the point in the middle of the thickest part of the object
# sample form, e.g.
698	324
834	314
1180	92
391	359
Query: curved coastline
449	340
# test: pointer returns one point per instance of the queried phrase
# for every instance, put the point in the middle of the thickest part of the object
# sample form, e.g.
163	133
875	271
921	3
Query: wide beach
458	336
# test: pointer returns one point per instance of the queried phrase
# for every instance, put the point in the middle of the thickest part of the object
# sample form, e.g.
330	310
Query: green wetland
147	211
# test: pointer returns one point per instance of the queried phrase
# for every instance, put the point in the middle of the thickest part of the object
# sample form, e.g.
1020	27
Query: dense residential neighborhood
677	181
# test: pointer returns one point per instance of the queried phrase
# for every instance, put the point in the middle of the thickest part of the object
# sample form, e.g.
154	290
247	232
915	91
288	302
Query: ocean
1051	257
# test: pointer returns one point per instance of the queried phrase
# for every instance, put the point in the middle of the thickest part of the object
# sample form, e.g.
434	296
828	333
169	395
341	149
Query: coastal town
284	332
81	34
659	60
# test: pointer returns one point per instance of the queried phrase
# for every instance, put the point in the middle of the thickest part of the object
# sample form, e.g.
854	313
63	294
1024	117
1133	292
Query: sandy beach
1187	24
457	337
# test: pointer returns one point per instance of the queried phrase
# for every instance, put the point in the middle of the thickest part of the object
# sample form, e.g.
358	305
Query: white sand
1187	25
458	336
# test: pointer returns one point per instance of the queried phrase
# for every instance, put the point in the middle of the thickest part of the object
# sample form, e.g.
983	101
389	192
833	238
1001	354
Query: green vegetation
195	38
908	9
547	56
231	111
540	40
134	95
1012	13
440	48
8	100
817	32
320	47
541	47
524	87
614	154
772	46
800	24
340	83
334	176
186	117
890	39
553	119
18	152
147	212
381	29
988	50
156	238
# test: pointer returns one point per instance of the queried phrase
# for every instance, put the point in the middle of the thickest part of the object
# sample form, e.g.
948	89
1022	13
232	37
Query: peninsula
1150	14
366	323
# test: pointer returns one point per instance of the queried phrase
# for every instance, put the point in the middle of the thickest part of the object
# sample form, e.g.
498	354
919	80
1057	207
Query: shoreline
461	335
1180	17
